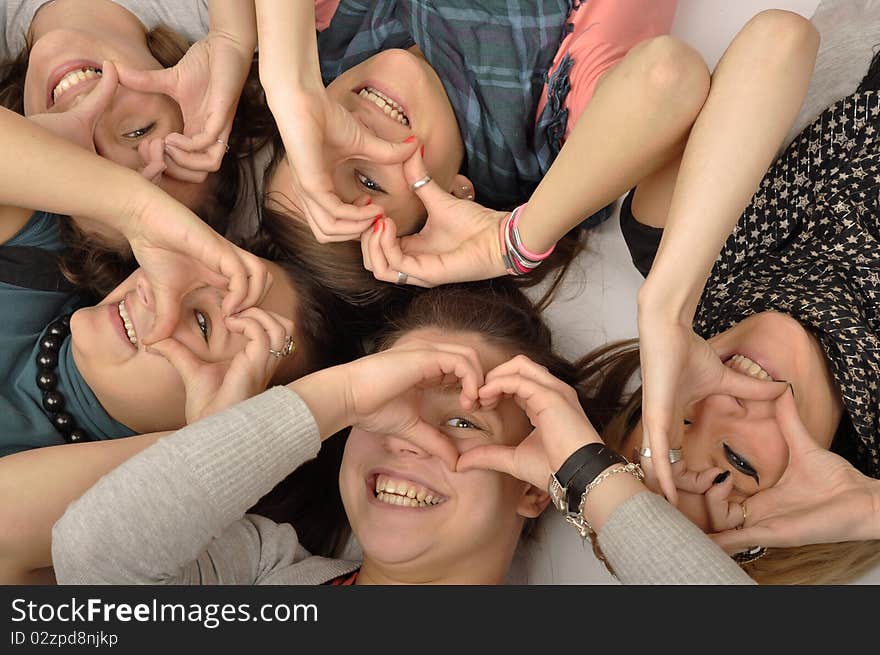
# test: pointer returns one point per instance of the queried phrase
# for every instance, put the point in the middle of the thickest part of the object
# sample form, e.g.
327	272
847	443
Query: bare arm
37	486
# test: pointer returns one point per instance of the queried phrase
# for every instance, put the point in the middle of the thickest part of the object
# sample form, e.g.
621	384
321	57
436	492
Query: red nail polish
378	217
369	201
409	139
375	226
422	151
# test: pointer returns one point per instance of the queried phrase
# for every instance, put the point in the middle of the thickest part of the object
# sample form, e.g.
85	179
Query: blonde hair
836	563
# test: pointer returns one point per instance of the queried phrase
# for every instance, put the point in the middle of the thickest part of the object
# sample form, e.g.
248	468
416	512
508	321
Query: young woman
93	376
440	471
791	297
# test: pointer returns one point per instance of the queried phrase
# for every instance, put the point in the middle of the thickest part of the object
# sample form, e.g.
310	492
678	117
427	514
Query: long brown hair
835	563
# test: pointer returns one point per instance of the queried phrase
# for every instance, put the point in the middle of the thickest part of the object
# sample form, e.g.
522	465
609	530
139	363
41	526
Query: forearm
288	46
756	92
647	541
38	485
54	175
175	497
235	19
638	118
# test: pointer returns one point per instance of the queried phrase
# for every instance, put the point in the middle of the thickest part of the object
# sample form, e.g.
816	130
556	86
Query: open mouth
743	364
391	107
405	493
127	323
71	78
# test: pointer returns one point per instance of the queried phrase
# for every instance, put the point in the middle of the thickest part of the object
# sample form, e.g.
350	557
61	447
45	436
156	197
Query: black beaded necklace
47	380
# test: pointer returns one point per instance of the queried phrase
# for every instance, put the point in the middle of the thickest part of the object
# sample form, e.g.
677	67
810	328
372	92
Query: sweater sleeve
175	513
647	541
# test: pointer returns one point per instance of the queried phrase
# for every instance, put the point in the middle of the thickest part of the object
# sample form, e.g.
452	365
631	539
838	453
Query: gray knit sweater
175	514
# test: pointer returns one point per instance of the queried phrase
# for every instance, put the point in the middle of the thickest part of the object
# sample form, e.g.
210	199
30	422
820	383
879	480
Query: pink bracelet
517	240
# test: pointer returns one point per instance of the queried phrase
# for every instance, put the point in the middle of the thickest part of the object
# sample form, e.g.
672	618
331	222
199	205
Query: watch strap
596	460
574	462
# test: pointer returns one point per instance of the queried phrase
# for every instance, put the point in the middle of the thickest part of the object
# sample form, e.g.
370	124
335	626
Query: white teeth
73	78
404	493
386	104
127	323
745	365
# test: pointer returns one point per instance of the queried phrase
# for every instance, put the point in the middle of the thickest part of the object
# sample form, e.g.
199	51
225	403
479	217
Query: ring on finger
287	349
745	513
418	184
402	277
225	145
674	454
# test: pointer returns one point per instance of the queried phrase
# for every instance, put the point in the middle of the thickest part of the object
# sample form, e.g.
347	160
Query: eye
140	132
740	464
202	322
462	424
368	183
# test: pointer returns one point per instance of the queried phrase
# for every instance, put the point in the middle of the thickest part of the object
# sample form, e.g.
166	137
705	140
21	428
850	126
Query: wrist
325	394
658	300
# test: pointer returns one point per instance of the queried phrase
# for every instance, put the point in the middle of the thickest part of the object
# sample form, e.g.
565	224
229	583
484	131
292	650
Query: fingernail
721	477
409	139
378	217
422	151
369	201
382	223
375	226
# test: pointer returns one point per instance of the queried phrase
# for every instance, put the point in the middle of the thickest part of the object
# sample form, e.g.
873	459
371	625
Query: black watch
580	469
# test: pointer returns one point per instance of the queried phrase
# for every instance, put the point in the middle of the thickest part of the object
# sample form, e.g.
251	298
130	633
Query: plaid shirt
492	57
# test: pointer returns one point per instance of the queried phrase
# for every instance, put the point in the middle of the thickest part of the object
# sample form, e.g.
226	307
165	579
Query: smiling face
743	436
414	516
71	39
142	389
375	92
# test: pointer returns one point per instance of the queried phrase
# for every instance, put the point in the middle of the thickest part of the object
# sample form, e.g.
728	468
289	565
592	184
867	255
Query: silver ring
225	145
418	184
674	454
287	349
402	277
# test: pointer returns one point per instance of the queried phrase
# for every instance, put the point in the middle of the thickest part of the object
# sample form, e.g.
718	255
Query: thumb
433	441
166	315
736	541
180	357
98	99
432	195
147	81
746	387
380	151
488	458
796	435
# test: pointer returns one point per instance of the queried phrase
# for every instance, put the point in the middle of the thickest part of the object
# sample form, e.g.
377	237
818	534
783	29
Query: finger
153	154
167	313
532	397
432	195
182	173
736	541
275	326
217	127
180	357
250	285
366	239
326	206
378	262
207	160
696	482
433	441
259	341
377	150
469	395
655	435
524	366
488	458
395	260
147	81
723	514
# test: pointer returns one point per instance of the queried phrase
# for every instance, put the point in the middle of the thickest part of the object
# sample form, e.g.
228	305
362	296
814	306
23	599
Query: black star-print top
808	245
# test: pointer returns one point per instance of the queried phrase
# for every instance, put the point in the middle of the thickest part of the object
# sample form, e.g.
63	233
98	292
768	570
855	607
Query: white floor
598	303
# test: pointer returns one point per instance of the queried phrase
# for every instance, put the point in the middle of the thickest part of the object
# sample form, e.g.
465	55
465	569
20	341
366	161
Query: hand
214	386
680	368
820	498
206	83
459	242
318	134
394	406
178	253
553	408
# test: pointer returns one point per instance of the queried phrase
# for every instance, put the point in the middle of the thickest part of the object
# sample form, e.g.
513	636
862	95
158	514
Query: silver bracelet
578	520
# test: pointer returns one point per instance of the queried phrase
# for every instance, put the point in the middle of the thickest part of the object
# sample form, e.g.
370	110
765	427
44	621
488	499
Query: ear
462	188
532	502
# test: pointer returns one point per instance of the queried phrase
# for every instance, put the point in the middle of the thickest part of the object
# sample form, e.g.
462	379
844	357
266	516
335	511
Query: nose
404	447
